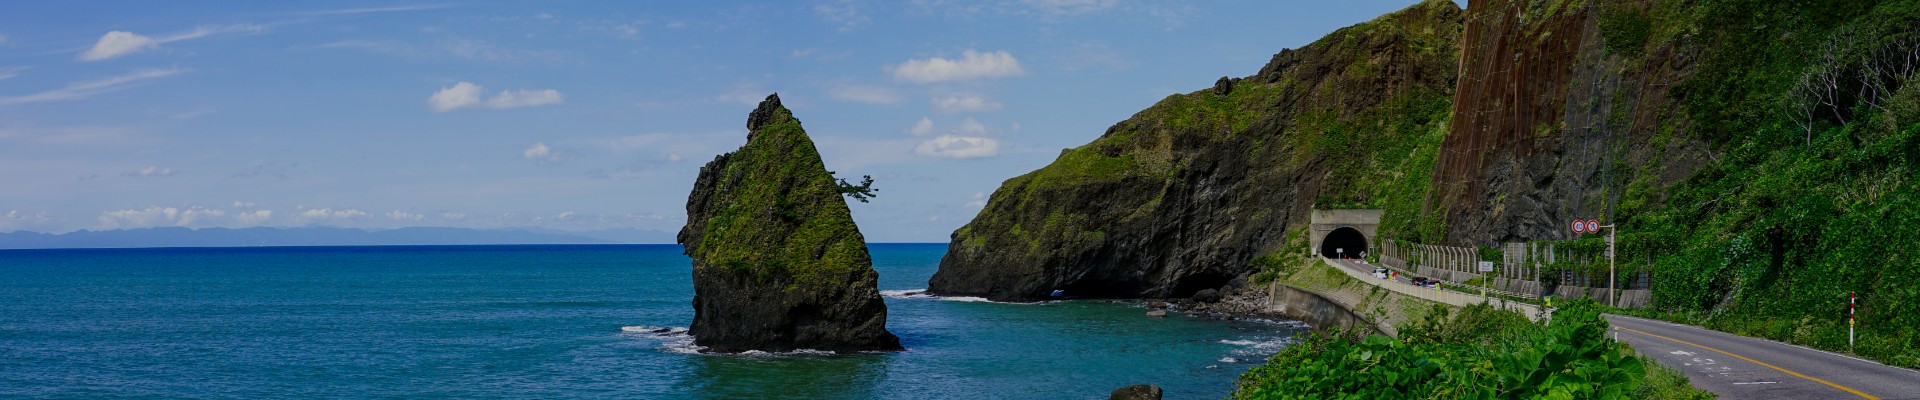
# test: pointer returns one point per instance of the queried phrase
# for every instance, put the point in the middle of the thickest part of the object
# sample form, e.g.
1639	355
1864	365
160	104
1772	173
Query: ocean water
545	322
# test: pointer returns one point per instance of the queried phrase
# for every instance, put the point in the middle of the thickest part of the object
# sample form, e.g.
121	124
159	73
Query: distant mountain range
321	236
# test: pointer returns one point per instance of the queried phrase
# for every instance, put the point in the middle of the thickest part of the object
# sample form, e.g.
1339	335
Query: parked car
1380	273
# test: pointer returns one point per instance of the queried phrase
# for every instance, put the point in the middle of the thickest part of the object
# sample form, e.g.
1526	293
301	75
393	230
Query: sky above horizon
575	116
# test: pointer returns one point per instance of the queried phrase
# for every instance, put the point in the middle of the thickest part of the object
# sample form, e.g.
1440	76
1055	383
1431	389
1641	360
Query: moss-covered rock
778	264
1179	197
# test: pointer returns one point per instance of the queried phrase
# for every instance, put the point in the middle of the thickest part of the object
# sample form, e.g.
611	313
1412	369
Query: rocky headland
778	264
1181	197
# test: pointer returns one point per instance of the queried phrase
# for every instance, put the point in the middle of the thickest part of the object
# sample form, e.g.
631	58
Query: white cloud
8	73
255	217
466	94
921	128
398	215
460	95
1070	7
524	98
114	44
965	103
15	220
118	43
242	204
329	213
564	215
958	147
373	10
539	152
844	14
81	90
971	127
979	200
453	216
157	216
151	170
864	94
971	65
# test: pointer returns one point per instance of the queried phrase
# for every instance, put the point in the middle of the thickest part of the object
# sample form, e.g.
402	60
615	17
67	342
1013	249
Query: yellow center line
1789	372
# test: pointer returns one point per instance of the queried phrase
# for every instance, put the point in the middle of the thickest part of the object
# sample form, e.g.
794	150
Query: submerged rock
1136	392
778	264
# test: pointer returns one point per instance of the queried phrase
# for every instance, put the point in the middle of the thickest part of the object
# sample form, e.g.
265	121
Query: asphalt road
1739	367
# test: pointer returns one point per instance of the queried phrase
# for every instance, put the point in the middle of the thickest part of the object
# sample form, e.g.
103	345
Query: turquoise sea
544	322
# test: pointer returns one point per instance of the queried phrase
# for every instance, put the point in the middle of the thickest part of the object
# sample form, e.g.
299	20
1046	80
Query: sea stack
778	264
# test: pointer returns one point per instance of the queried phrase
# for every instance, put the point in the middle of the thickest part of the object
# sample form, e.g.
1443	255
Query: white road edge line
1772	341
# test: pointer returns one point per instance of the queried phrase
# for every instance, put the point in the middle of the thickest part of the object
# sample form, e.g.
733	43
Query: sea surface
546	322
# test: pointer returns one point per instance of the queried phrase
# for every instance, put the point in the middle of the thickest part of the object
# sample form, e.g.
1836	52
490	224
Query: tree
860	192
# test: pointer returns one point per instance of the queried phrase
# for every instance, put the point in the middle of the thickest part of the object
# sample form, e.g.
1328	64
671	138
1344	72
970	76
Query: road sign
1486	266
1593	226
1579	226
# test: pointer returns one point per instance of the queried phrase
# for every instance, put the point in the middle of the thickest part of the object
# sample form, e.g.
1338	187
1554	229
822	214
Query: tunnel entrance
1343	238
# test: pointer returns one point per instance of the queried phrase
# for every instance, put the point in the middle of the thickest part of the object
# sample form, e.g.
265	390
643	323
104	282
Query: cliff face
778	264
1551	122
1182	195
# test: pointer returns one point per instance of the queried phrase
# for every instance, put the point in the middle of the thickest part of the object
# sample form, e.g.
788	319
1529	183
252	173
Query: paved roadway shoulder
1739	367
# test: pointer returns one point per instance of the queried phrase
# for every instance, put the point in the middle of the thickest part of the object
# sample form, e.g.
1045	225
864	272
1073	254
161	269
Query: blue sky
575	115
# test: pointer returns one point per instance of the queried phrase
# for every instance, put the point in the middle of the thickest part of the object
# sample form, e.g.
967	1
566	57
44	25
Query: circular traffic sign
1579	226
1593	226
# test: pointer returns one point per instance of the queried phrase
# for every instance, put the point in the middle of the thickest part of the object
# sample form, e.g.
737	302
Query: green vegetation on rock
1810	192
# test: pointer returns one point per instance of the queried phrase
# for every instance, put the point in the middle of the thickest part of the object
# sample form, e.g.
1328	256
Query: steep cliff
1179	197
1550	120
778	264
1762	158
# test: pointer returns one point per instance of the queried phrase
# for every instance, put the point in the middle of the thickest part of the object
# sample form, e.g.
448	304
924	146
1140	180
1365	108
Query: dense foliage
1482	353
1810	193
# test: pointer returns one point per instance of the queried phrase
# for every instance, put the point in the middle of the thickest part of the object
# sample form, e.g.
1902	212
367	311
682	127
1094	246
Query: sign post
1851	300
1485	280
1613	278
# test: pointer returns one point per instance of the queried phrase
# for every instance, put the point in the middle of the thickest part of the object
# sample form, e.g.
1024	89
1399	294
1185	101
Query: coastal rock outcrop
778	264
1182	196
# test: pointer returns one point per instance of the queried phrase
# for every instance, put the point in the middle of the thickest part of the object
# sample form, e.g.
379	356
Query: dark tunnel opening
1343	239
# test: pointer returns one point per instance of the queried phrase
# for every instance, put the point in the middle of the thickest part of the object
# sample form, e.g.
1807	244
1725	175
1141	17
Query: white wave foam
1229	360
922	294
663	330
1260	348
682	346
906	294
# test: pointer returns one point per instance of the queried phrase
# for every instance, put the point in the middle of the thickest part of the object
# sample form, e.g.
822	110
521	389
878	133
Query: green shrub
1482	353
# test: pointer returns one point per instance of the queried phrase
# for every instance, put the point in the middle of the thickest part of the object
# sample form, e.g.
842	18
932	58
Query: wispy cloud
114	44
466	95
971	65
844	13
371	10
81	90
158	216
965	103
544	155
9	73
149	171
958	147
